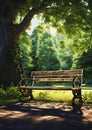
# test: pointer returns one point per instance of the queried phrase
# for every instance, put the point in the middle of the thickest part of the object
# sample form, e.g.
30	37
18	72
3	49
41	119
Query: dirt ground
45	116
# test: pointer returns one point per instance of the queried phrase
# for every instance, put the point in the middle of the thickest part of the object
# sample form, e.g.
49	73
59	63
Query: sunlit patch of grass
12	95
86	86
53	95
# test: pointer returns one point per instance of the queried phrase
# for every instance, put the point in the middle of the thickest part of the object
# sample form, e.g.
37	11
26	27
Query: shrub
3	94
87	97
12	92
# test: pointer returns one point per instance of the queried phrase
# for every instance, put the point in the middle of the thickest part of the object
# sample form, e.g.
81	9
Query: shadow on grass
31	117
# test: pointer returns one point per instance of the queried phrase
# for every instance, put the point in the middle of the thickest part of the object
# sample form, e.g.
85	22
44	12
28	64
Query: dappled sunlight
12	114
53	95
44	115
53	31
48	118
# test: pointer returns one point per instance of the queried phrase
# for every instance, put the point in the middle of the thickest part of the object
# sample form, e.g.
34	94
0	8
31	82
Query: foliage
45	48
66	56
41	48
44	51
2	93
25	47
84	62
34	38
53	50
13	92
47	53
87	97
71	17
9	93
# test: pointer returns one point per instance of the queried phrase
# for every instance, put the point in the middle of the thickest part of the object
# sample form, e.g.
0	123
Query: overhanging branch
15	8
27	19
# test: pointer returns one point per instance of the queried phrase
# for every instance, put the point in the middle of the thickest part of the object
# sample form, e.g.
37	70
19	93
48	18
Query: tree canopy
73	14
70	17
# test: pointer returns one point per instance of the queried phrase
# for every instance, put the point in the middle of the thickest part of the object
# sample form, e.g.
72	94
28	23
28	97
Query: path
44	116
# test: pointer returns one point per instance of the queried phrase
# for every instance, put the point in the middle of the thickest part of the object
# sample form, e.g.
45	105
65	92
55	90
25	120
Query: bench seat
47	88
38	80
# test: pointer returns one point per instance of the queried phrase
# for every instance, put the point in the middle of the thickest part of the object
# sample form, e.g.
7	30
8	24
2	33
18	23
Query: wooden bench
42	80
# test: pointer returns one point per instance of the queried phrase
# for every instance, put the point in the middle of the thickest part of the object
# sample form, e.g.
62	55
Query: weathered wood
73	76
59	76
57	73
42	79
47	88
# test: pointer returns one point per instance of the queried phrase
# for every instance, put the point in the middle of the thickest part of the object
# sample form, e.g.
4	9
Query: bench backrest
55	76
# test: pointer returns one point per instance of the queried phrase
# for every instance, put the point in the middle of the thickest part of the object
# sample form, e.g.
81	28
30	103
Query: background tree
26	48
34	38
15	18
85	62
47	53
50	52
64	51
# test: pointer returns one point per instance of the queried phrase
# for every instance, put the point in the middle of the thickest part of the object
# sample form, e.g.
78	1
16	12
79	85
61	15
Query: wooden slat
47	88
52	79
58	73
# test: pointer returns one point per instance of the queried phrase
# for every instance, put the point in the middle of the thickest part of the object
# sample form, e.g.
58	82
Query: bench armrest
25	82
77	81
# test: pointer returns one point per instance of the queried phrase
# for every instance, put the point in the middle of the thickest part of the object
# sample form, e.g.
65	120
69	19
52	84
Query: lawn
52	95
12	94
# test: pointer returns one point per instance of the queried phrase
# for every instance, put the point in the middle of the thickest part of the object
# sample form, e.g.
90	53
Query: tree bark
10	62
10	65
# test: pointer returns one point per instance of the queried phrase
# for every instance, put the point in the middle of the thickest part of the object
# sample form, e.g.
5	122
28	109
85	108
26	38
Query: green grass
52	95
12	94
87	86
8	101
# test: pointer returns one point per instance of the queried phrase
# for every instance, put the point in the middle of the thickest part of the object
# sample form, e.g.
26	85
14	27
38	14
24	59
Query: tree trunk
10	65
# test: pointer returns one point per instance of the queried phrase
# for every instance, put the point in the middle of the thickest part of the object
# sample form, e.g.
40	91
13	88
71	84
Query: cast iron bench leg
77	96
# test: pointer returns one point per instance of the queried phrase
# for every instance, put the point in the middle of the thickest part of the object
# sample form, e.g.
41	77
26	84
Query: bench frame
73	76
